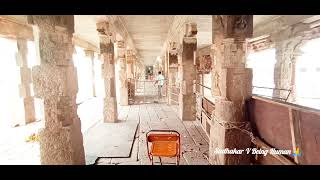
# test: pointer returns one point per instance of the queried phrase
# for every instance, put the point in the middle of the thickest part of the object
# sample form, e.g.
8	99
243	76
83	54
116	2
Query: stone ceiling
148	34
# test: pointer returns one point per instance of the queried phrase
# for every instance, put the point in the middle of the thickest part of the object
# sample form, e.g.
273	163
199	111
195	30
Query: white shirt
160	79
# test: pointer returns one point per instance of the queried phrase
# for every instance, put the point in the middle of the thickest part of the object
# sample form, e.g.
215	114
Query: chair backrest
163	137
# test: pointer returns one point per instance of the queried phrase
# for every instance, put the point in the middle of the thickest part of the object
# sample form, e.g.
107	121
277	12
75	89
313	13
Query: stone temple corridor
217	89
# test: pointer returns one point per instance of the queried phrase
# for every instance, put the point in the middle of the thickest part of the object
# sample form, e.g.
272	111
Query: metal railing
273	97
146	91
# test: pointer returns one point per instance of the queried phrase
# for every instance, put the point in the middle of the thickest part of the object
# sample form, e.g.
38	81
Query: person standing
160	82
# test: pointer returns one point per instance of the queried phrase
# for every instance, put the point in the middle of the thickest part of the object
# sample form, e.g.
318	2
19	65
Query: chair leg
151	160
178	160
160	160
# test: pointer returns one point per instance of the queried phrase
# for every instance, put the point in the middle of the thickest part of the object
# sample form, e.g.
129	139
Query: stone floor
162	116
15	150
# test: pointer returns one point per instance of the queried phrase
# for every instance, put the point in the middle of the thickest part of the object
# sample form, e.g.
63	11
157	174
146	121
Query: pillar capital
89	53
190	29
232	26
103	27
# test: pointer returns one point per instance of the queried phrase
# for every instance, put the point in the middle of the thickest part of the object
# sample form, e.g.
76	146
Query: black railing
272	97
203	86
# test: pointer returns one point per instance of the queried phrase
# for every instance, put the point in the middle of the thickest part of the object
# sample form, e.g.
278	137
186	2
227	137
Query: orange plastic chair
163	143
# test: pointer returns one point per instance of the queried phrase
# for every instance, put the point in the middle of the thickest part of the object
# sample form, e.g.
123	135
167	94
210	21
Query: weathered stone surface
228	138
55	81
51	81
62	146
235	83
232	26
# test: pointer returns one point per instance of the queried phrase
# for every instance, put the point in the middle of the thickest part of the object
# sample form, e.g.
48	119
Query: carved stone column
90	55
108	71
130	58
27	99
172	70
232	87
122	73
287	51
187	98
55	81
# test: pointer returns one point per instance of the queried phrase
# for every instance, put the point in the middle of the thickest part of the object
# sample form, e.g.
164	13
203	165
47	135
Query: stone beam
232	86
55	81
12	29
108	71
84	44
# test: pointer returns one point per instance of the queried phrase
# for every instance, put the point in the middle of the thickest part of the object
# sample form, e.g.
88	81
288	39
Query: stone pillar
90	55
25	82
187	98
130	59
171	79
172	70
287	51
122	73
108	71
55	81
232	87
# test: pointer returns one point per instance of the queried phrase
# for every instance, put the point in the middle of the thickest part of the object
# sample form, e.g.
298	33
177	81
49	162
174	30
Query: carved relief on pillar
232	26
204	64
234	53
173	60
190	30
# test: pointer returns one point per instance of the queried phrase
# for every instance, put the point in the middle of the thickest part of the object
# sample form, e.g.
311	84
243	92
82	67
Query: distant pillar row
108	71
55	81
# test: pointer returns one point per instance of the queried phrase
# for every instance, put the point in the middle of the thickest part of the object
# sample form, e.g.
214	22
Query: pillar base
110	110
222	139
62	146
